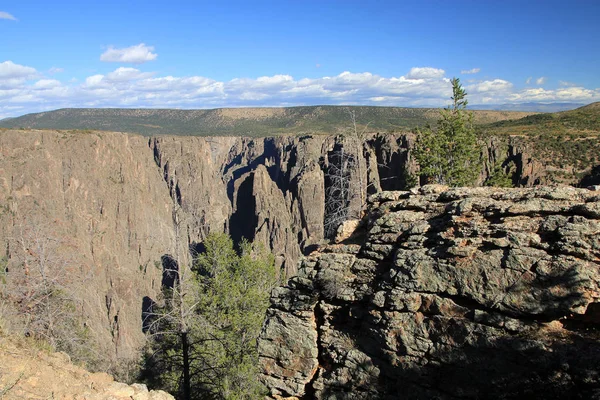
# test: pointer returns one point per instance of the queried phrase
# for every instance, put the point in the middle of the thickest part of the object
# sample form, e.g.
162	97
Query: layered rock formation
111	205
114	204
445	294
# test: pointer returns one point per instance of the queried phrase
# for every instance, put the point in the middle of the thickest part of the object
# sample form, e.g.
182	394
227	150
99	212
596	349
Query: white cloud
570	94
55	70
10	70
122	74
496	85
566	83
46	84
5	15
137	54
94	80
22	86
541	80
528	81
425	73
470	71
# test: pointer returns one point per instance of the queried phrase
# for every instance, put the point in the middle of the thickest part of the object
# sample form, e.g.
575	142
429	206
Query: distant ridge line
263	121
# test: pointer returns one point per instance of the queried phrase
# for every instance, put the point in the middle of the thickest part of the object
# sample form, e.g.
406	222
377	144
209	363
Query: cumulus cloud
123	74
137	54
23	90
495	85
5	15
570	94
425	73
470	71
94	80
541	80
46	84
10	70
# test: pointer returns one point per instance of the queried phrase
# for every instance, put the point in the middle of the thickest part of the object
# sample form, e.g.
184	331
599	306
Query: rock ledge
453	293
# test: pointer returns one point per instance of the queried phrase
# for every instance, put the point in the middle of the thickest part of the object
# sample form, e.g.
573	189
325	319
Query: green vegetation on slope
204	337
567	142
240	121
579	121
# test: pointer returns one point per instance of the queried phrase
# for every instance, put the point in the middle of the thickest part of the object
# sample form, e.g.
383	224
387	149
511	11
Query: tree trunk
185	347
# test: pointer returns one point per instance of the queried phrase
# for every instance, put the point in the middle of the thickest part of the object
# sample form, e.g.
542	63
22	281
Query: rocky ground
30	372
478	293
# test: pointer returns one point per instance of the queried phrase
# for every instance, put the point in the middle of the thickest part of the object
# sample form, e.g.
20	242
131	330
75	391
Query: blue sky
195	54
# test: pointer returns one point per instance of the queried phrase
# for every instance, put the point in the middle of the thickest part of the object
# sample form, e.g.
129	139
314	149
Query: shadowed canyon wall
114	205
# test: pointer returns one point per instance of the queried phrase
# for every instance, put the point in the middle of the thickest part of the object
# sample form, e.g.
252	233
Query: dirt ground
27	371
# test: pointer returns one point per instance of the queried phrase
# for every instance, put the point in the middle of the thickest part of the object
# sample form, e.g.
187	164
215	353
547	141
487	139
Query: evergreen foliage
217	354
499	177
450	154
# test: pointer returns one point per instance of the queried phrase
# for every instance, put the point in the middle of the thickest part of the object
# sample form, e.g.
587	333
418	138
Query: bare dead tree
44	288
358	137
342	170
337	189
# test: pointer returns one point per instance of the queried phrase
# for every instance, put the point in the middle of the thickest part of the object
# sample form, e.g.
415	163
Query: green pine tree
215	356
235	296
499	177
450	155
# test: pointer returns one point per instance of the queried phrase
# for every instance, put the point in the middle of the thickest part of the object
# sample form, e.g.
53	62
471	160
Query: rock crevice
452	293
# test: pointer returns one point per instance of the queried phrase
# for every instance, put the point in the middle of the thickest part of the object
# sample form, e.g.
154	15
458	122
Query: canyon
113	204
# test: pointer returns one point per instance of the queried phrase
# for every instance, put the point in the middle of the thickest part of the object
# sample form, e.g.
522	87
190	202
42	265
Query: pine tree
450	155
204	343
235	297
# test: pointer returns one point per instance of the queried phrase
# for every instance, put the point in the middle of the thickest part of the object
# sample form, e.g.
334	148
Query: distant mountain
528	107
241	121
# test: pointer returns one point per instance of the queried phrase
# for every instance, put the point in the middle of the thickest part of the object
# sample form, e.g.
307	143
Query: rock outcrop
445	294
114	204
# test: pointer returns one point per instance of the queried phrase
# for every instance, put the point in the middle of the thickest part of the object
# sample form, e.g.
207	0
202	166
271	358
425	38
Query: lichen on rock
453	293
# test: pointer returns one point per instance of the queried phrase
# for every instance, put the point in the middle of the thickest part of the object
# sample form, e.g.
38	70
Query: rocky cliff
446	294
100	210
111	205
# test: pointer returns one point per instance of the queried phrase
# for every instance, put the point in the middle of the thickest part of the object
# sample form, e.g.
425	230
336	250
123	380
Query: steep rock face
263	215
268	189
87	206
450	293
115	204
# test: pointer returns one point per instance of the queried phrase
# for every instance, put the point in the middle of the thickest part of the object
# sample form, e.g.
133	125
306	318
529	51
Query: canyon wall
441	293
104	208
111	205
